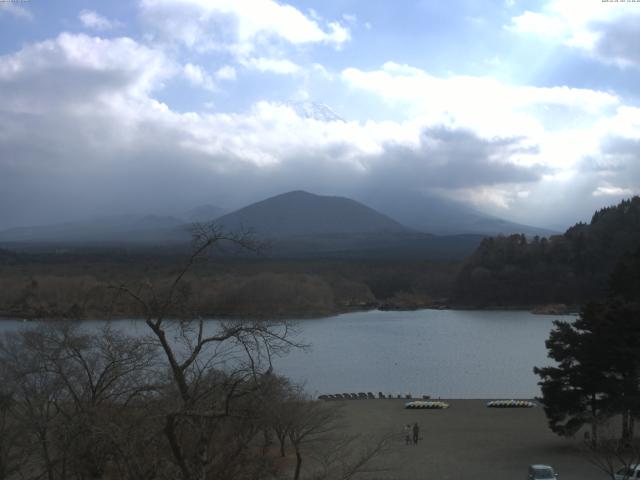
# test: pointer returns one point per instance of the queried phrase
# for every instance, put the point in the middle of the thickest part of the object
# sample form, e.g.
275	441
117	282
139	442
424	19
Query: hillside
101	230
300	213
202	214
303	225
568	268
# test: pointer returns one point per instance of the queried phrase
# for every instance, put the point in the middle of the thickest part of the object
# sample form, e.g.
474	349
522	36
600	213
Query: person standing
407	436
416	433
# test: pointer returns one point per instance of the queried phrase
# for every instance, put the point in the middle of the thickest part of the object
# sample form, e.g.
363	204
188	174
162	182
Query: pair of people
409	430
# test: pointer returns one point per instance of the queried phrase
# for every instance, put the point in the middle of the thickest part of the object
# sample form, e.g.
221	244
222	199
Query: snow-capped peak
315	111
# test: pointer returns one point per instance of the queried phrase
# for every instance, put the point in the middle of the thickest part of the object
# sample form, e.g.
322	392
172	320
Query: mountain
428	213
300	213
301	224
295	225
315	111
108	229
570	268
202	213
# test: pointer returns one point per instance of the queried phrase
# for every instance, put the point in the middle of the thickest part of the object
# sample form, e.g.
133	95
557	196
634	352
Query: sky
528	110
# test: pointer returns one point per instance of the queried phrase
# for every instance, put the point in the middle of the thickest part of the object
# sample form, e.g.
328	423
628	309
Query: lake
442	353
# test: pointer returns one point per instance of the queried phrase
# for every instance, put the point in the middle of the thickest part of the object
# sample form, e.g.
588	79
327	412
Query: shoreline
535	310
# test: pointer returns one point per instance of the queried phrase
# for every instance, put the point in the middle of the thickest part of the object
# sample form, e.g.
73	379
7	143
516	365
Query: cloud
198	77
105	140
559	120
95	21
563	127
226	72
272	65
15	10
82	132
350	18
618	41
537	23
404	83
612	191
240	27
64	72
453	158
607	31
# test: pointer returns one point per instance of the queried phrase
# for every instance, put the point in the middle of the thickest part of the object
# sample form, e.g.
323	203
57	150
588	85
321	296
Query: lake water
443	353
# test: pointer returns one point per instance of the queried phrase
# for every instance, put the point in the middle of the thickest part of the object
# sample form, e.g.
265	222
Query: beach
467	440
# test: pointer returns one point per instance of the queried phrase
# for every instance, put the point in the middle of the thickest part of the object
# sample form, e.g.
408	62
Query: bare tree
69	389
213	367
349	456
612	455
315	430
12	450
311	420
192	399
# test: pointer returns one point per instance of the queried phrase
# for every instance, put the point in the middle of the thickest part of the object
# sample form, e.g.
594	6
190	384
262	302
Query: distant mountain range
203	213
109	229
297	224
439	216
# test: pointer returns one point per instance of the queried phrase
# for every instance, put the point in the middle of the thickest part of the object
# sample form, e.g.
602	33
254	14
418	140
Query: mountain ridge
296	224
300	213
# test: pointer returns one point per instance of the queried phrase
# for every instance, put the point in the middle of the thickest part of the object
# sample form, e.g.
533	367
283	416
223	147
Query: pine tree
598	360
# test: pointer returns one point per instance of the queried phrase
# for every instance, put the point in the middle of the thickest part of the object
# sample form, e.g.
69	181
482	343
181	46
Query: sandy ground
468	440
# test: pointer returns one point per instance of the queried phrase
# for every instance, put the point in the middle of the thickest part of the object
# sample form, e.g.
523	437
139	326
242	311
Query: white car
628	473
541	472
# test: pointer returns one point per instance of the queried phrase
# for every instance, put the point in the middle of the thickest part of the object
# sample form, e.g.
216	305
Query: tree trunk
169	431
45	451
267	441
204	457
296	475
625	425
594	421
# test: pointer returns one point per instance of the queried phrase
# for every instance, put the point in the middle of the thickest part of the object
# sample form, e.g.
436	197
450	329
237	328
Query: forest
569	268
80	285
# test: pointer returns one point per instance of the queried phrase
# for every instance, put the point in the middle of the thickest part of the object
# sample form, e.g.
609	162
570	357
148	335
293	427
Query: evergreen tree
598	360
576	391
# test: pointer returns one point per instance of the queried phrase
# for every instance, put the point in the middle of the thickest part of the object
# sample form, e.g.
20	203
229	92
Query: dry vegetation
78	285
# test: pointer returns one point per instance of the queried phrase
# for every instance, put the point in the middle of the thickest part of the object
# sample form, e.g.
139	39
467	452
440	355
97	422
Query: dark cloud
619	40
455	158
60	170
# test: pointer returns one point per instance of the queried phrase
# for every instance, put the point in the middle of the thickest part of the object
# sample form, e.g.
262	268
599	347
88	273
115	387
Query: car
541	472
628	473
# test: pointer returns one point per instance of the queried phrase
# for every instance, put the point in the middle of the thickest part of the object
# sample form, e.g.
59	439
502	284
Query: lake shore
467	440
382	306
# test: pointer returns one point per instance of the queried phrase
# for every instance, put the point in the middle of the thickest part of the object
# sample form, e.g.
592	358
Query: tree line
78	286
